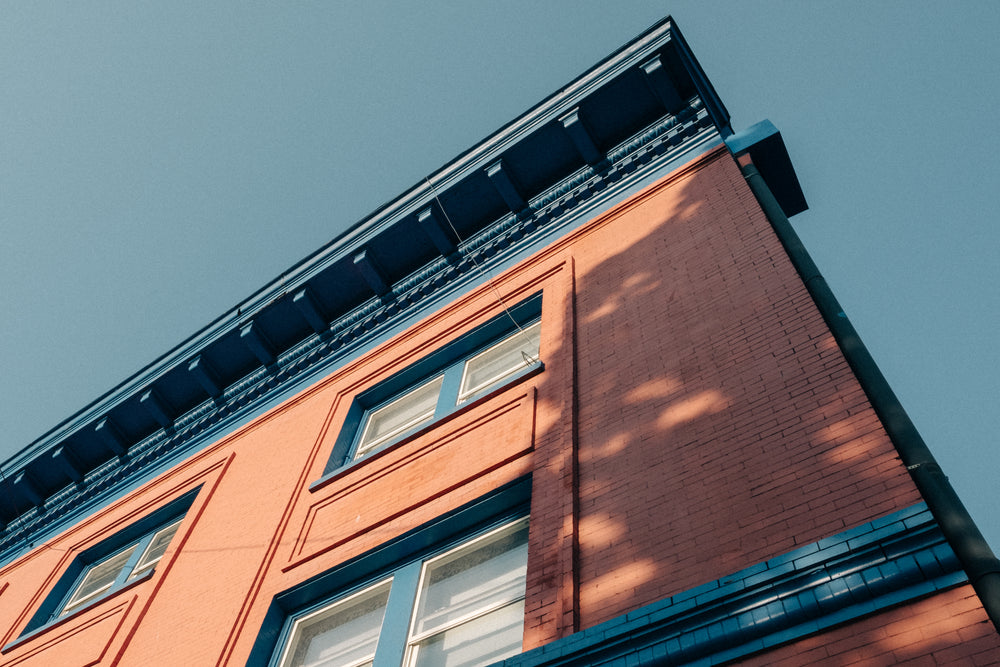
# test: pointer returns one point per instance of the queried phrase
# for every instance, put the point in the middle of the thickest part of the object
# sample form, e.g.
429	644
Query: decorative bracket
111	436
436	232
64	458
580	136
370	271
660	84
157	408
27	486
307	306
505	187
258	344
206	376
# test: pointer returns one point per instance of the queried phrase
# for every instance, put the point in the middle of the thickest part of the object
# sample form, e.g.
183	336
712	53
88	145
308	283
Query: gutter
961	532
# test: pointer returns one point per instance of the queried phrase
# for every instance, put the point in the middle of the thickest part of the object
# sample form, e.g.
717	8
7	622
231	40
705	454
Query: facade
579	398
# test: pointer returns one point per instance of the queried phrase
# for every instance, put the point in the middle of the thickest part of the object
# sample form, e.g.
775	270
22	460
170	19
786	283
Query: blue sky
161	161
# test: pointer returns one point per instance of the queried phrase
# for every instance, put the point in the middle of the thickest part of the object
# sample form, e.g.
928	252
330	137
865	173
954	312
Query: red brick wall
719	423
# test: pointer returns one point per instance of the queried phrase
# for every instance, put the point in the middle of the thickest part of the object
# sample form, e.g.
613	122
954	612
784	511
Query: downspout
978	560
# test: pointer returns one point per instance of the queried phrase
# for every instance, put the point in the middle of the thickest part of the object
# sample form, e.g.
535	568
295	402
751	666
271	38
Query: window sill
56	622
469	404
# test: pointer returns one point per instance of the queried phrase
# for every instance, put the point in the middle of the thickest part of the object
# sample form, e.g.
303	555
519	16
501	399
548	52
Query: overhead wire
483	273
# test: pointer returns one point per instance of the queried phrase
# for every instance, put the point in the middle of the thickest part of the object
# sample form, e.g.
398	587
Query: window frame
287	647
397	643
364	448
449	363
139	535
465	395
127	573
401	558
415	639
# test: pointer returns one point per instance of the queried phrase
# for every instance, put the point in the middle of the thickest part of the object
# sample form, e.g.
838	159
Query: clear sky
160	161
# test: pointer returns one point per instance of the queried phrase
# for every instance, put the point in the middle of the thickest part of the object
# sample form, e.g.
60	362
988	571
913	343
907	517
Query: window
421	404
113	564
470	602
344	633
403	414
501	351
117	570
463	607
515	352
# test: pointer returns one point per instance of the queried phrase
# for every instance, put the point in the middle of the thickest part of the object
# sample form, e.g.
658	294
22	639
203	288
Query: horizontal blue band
894	559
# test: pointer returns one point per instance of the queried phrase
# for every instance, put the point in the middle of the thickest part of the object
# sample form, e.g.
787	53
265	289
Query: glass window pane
99	578
342	635
478	576
510	355
407	411
481	641
155	550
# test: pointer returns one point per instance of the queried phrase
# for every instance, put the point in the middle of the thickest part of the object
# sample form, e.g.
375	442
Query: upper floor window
441	394
120	568
513	353
414	408
126	558
461	607
500	351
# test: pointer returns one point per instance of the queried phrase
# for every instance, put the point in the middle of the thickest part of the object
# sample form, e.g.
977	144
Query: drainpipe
978	560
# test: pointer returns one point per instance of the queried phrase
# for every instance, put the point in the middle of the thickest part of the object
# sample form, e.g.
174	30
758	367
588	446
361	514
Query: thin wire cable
482	272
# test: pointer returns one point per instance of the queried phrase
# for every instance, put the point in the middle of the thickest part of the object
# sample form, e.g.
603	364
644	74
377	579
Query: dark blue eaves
525	175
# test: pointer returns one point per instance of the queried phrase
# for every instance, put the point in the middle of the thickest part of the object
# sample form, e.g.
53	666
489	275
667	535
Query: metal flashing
768	604
763	143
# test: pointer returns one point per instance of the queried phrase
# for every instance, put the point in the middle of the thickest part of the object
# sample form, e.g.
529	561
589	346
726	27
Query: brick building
578	398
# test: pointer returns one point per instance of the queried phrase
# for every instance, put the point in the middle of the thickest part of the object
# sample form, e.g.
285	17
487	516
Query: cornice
97	450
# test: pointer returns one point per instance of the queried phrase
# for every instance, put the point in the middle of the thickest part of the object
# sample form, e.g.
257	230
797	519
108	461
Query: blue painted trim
744	140
569	205
505	187
396	624
500	506
580	135
880	564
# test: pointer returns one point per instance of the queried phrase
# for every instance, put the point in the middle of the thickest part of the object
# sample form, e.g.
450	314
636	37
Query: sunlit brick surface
719	422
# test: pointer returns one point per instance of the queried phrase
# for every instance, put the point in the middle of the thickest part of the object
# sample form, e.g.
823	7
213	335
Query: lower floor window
343	633
463	607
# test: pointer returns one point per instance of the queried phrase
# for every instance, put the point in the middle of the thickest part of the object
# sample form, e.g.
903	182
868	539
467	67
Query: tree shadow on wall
718	423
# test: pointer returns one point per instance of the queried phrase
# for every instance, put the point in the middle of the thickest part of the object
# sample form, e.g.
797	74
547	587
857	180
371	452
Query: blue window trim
140	533
449	360
400	558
